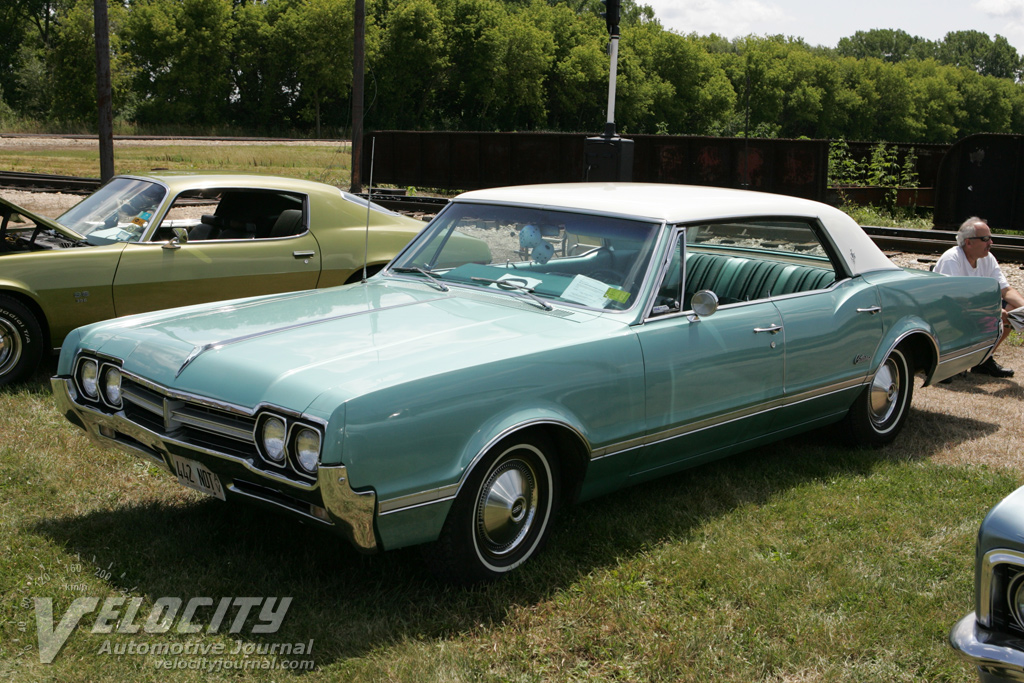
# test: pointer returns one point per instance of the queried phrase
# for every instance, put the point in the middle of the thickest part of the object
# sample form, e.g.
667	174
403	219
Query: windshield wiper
513	283
422	271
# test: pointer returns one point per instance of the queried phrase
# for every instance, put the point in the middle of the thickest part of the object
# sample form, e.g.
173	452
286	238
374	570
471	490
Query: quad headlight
307	449
88	377
111	384
283	442
274	433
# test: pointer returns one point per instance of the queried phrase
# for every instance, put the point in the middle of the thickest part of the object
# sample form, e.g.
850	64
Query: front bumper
998	656
349	513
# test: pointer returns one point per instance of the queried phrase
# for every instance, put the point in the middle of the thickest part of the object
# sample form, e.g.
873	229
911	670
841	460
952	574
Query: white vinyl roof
690	203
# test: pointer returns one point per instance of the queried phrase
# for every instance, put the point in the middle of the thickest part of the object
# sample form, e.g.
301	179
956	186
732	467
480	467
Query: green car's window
234	214
120	211
744	261
580	259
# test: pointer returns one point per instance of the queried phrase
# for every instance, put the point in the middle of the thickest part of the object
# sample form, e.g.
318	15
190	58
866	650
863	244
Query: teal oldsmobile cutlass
617	332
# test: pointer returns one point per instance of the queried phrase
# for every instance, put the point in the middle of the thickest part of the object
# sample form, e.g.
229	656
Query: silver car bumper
349	513
999	657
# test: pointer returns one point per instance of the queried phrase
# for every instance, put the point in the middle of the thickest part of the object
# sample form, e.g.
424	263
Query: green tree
182	52
888	45
975	50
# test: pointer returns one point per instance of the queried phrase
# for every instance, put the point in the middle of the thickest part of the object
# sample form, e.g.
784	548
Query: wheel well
920	351
30	303
371	270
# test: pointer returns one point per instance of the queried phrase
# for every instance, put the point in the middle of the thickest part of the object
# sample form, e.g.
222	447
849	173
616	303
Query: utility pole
103	90
357	95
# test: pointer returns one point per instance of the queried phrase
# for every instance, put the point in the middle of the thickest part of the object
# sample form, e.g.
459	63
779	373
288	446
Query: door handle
303	254
774	329
870	309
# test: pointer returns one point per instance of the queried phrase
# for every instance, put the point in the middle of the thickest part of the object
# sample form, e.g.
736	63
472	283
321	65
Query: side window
746	261
234	214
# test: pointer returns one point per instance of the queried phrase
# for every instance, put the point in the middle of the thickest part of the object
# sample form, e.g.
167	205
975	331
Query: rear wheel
502	516
880	412
21	341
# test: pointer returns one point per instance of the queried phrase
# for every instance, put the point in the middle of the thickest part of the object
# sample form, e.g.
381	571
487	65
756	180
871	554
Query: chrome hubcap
507	507
10	346
885	391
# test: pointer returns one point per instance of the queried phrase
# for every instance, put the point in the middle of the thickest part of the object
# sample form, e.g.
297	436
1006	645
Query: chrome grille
189	421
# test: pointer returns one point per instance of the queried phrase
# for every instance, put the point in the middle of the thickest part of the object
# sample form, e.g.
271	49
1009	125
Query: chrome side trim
986	590
719	420
961	353
415	500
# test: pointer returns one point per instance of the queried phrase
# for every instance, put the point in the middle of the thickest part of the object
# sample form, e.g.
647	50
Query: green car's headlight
307	449
273	436
88	376
111	384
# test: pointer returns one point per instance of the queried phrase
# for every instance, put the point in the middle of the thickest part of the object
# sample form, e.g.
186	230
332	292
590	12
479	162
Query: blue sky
824	22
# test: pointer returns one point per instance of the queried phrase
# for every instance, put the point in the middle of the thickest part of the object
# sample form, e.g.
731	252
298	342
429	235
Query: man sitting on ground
971	257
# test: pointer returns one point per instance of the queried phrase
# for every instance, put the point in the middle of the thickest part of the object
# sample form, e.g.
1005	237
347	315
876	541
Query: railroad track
1008	248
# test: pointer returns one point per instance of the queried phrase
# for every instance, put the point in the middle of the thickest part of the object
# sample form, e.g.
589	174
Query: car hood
288	349
42	220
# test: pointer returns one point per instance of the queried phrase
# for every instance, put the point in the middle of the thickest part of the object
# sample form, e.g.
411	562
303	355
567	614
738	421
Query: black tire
21	341
879	413
502	516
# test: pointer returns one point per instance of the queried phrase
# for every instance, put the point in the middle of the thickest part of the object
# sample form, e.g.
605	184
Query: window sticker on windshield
138	220
145	215
594	293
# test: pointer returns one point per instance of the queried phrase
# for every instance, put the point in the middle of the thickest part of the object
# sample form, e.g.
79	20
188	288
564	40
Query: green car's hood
40	220
288	349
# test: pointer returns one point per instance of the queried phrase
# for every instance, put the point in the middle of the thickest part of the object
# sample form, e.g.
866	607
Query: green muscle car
146	243
613	333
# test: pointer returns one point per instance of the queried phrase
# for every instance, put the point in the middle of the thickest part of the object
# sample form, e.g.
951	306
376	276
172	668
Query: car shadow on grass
183	546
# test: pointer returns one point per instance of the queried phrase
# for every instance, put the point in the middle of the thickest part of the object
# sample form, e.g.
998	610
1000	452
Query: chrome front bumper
351	513
999	657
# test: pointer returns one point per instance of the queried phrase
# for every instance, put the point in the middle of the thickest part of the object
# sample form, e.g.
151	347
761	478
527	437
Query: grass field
803	561
800	562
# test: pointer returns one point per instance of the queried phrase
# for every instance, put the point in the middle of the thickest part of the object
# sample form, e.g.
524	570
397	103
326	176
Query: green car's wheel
21	341
502	517
879	413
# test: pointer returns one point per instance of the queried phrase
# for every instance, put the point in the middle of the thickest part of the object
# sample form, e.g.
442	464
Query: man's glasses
986	238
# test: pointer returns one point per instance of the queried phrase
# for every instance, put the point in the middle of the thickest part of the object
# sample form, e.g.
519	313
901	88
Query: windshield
120	211
592	261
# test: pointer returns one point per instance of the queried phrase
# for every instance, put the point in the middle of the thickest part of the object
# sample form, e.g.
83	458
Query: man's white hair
968	229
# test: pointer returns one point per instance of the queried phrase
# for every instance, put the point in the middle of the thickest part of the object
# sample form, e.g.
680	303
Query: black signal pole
103	97
357	95
609	158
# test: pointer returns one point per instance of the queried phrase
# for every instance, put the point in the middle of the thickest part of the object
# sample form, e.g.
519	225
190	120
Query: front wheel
21	341
502	516
880	412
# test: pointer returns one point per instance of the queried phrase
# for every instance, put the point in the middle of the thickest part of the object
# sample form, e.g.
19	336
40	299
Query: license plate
195	476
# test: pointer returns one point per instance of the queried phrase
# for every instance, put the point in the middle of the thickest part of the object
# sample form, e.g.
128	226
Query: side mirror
705	303
180	238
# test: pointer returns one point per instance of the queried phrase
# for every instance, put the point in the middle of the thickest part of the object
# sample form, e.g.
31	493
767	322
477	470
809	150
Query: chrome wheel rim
507	507
885	392
10	346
